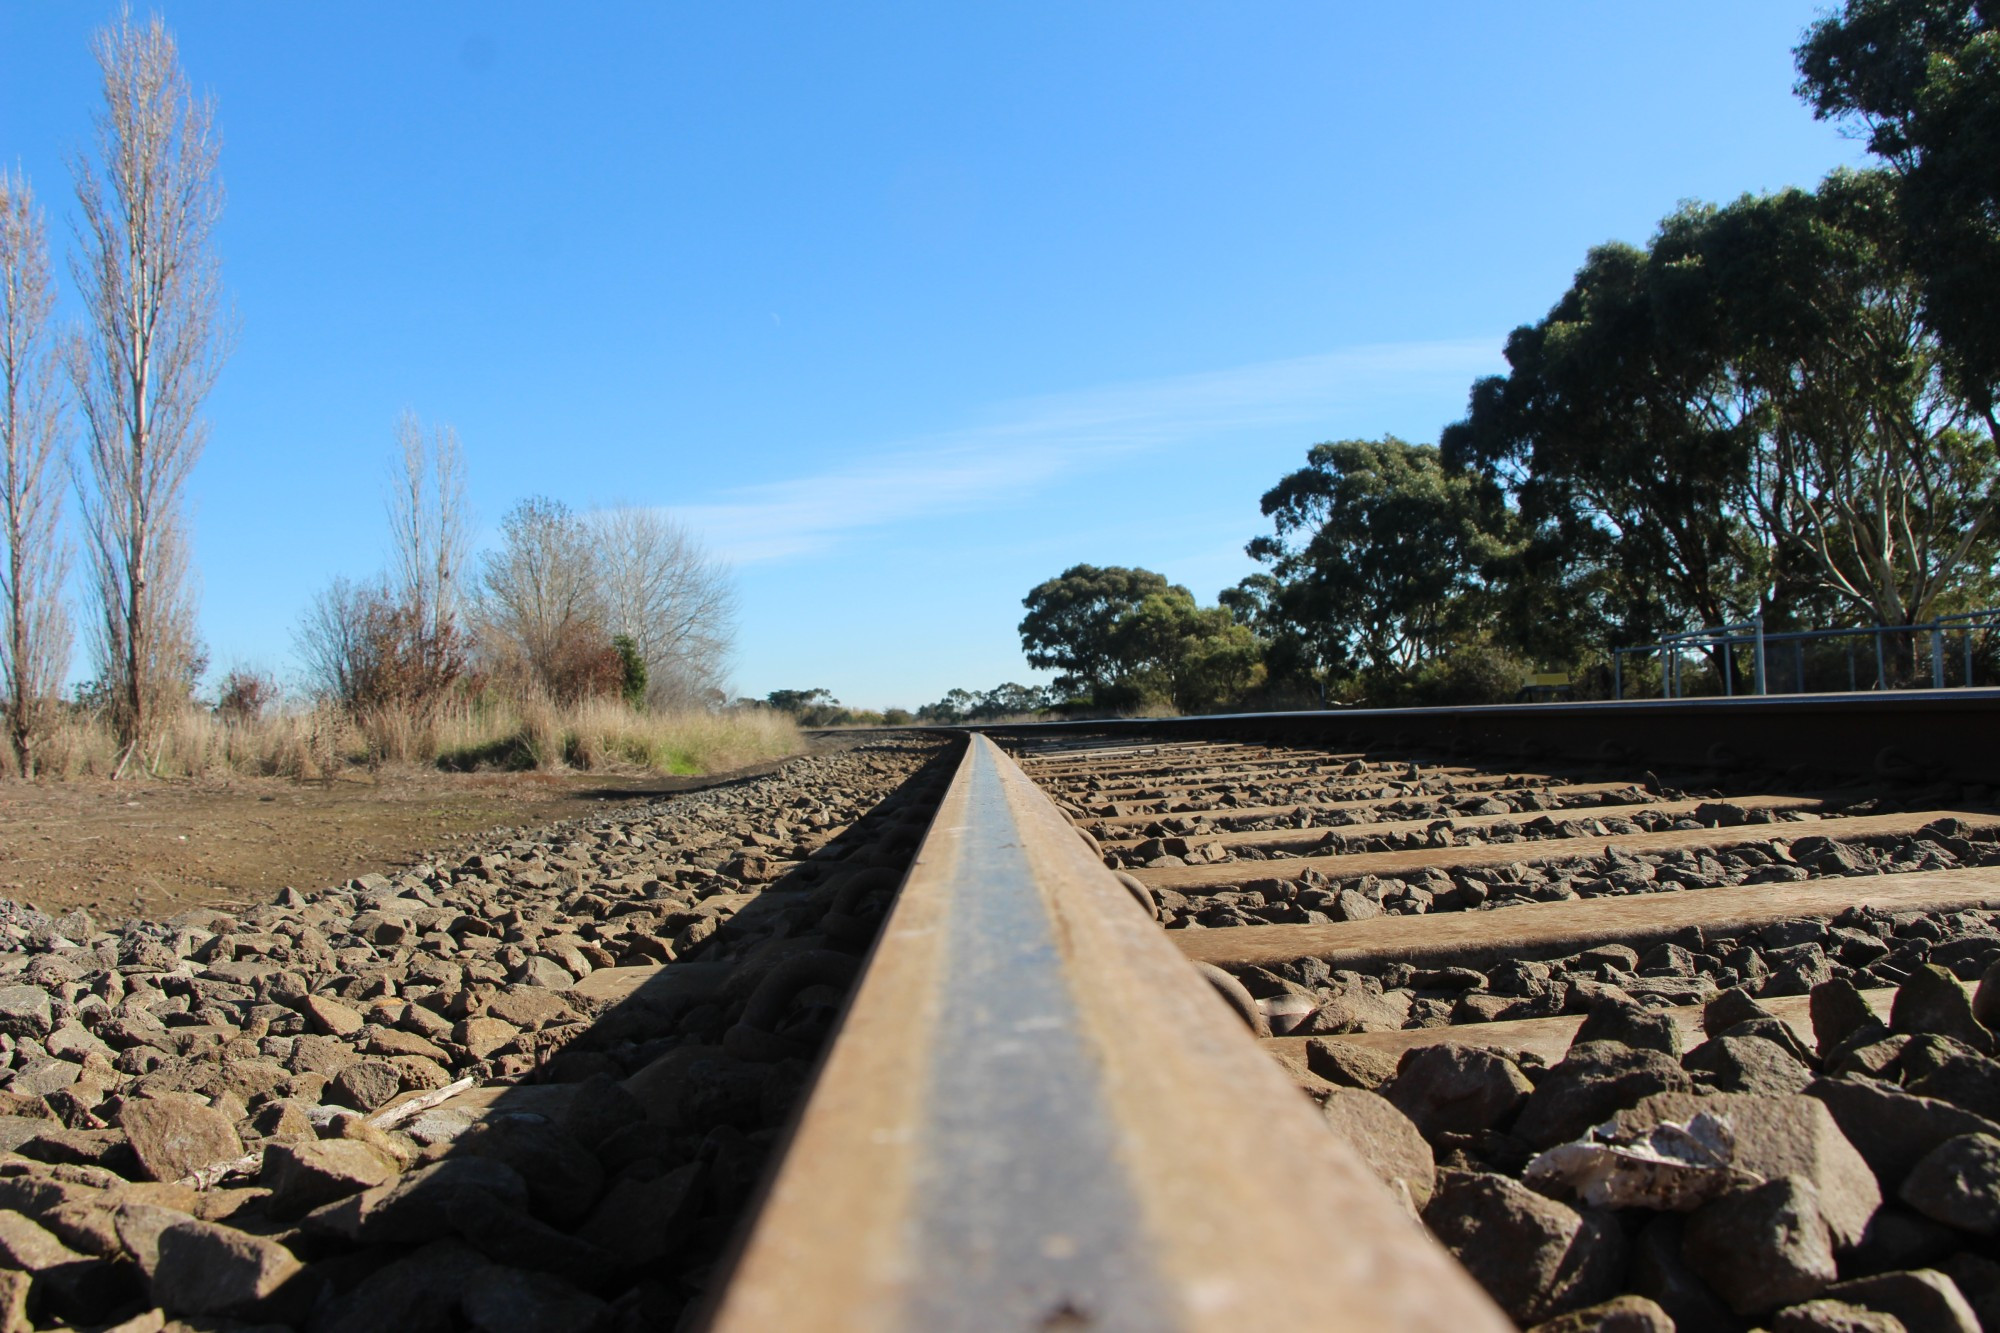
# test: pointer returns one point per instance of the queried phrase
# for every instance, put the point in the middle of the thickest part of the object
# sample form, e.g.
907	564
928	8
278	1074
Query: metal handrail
1753	633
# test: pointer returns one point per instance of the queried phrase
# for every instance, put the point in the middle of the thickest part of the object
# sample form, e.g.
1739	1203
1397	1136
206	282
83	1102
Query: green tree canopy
1923	76
1379	554
1169	649
1071	619
1746	416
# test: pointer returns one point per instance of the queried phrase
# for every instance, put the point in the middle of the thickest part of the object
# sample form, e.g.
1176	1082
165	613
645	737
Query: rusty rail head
1036	1116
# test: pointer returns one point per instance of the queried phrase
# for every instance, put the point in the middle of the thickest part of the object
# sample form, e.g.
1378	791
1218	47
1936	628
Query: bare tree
34	650
428	531
541	610
150	283
331	639
663	591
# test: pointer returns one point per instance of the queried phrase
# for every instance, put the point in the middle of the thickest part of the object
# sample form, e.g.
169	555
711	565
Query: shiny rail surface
1036	1115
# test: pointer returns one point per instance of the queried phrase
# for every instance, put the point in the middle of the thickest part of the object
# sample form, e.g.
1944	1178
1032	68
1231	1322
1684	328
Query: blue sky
904	308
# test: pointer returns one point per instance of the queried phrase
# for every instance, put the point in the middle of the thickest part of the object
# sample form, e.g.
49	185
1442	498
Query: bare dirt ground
152	848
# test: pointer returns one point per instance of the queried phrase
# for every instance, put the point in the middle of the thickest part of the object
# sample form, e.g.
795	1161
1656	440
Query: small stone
1932	1001
302	1176
365	1084
1351	905
419	1292
1892	1129
1537	1258
639	1222
1355	1010
1632	1025
1924	1299
1899	1238
1593	1082
483	1036
440	1124
1349	1065
1779	1033
39	1078
1621	1314
1869	1058
1659	1272
1454	1088
1825	1316
329	1017
1747	1064
1762	1248
25	1011
1838	1012
14	1289
1978	1280
528	1008
563	1179
1958	1183
86	1227
1729	1008
540	971
1384	1139
1986	999
39	1196
72	1041
207	1269
415	1207
386	1041
513	1239
139	1226
284	1121
514	1302
175	1135
30	1247
1969	1081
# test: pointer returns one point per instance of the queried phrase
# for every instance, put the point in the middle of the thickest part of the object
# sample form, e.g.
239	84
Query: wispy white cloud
1033	443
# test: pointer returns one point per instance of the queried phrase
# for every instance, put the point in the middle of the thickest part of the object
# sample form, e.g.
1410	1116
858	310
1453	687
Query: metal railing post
1937	659
1881	666
1762	685
1617	673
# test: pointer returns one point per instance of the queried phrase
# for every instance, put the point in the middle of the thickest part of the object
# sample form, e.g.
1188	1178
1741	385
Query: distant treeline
818	707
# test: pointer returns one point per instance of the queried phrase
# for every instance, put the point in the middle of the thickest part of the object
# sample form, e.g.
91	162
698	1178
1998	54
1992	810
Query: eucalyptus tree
1380	554
1072	617
1870	479
1923	78
1623	445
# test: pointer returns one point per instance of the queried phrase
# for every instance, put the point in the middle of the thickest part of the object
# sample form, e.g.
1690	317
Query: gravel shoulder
529	1085
154	848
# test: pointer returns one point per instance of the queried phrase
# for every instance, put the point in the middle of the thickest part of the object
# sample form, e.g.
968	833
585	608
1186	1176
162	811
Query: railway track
1567	1017
1067	1090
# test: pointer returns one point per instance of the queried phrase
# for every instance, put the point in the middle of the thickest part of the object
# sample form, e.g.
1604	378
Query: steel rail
1951	733
1036	1115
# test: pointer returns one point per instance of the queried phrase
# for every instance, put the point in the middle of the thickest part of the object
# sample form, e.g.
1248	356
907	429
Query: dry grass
315	743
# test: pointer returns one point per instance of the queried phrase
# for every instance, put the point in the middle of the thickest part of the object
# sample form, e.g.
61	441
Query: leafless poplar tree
33	560
428	530
153	342
676	603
